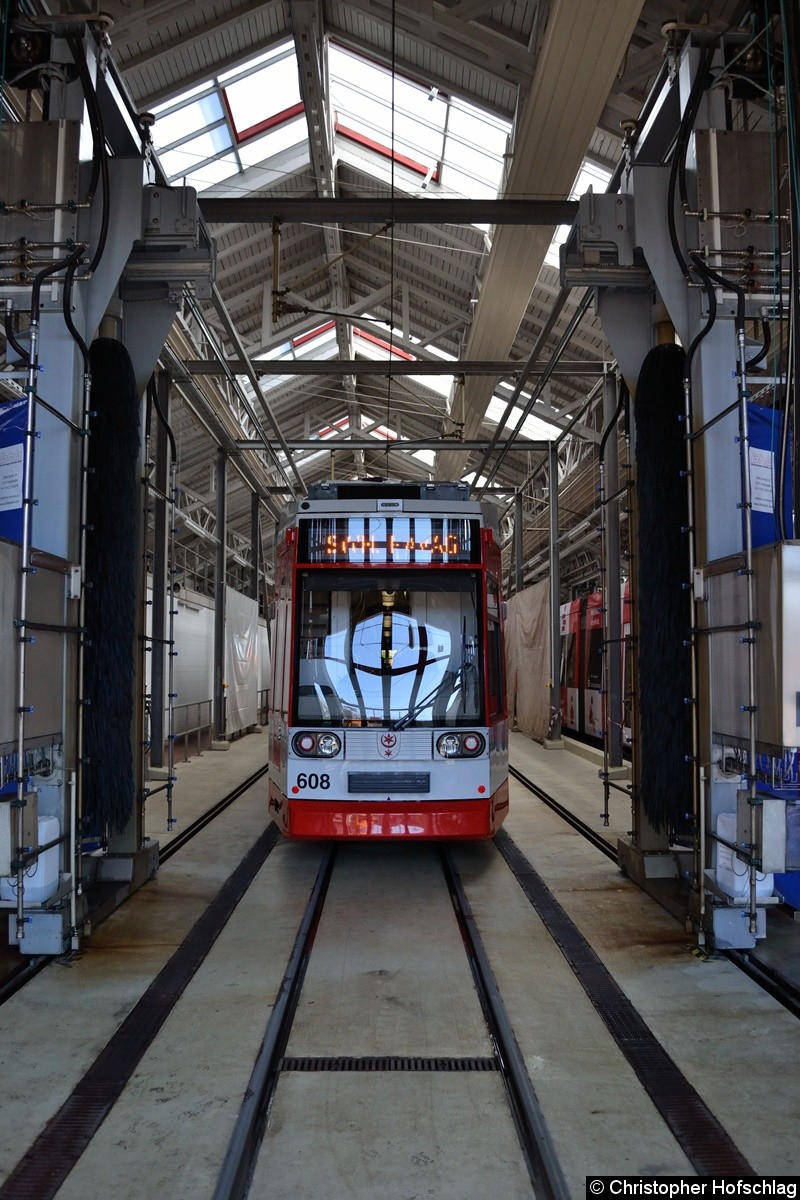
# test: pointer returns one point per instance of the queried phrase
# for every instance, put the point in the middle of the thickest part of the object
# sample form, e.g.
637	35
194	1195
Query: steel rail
598	841
767	978
537	1145
206	818
701	1136
46	1164
16	979
240	1159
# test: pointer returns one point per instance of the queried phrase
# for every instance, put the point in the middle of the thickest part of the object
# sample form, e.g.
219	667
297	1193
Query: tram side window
494	650
594	660
569	645
316	697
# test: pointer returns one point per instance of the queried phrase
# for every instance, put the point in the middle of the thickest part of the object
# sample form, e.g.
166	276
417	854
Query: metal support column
158	610
518	542
219	596
611	565
555	591
255	545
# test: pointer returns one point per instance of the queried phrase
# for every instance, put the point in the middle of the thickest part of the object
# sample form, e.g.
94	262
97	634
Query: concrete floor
388	976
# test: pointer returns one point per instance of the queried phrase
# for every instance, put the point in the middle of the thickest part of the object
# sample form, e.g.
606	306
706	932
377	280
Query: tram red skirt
356	820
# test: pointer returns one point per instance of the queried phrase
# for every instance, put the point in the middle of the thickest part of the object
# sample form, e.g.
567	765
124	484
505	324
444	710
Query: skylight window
264	98
438	136
236	120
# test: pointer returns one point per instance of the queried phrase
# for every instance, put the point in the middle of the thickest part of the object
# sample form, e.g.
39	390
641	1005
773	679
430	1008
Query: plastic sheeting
527	634
241	661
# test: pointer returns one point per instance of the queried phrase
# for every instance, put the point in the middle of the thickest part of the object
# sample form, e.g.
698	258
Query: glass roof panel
258	96
189	157
234	103
201	177
259	149
364	96
187	120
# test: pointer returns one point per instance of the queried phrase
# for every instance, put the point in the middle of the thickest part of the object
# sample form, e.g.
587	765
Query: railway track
20	973
58	1148
237	1171
766	976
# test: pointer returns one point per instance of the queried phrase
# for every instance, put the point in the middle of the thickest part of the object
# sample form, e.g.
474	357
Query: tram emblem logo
389	743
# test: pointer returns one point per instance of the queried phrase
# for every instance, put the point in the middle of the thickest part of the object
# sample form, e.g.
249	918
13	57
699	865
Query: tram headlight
460	745
328	745
316	745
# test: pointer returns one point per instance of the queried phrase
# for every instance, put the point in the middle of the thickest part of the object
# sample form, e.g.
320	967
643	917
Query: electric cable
66	302
764	351
100	153
11	337
162	417
677	166
623	396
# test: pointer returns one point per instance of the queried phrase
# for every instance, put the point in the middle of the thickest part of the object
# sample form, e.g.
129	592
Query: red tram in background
583	708
387	711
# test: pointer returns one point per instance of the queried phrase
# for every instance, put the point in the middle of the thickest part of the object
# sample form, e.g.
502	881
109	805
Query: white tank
732	872
41	877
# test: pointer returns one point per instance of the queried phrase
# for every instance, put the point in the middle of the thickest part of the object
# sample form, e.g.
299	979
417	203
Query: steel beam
519	445
380	209
367	366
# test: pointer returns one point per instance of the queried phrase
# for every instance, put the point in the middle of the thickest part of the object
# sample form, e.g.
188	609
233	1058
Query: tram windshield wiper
446	684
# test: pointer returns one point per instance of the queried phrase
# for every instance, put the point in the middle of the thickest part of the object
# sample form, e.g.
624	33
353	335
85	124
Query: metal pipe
219	596
698	774
172	652
744	447
75	864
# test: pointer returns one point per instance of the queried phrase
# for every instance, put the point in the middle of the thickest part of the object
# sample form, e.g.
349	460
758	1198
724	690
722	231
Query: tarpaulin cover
241	661
527	632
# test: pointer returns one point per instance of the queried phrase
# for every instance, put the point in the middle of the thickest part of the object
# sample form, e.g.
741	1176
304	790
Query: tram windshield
392	649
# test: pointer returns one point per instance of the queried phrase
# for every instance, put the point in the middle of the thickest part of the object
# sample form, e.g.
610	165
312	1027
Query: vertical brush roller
663	658
111	576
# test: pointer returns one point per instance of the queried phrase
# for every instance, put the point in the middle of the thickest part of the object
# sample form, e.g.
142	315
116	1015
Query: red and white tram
388	713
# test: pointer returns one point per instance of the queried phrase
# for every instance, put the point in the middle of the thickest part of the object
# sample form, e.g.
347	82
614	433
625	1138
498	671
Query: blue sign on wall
12	456
765	430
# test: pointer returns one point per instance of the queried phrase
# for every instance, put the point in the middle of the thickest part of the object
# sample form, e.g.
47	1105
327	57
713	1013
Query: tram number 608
314	781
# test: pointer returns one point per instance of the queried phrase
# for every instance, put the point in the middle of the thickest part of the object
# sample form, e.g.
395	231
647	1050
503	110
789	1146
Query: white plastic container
733	874
41	877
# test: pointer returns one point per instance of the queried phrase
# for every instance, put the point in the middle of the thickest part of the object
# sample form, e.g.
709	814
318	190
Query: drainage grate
389	1063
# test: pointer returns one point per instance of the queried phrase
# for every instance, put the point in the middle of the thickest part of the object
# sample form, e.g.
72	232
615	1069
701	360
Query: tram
583	708
387	710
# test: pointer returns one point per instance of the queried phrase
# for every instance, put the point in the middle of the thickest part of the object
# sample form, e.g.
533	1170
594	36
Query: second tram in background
387	711
583	708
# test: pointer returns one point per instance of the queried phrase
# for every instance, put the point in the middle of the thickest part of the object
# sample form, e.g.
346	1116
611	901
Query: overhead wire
391	218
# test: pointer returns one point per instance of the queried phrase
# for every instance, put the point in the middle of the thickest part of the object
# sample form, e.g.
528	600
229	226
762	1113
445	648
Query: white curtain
527	635
241	660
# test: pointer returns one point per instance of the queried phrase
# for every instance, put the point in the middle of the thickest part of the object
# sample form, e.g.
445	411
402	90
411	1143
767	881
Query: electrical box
169	215
776	577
